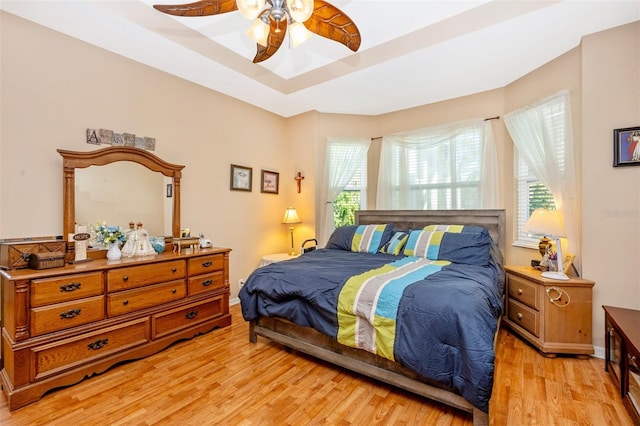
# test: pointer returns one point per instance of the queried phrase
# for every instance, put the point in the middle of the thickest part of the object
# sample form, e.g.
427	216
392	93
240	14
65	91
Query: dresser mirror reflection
118	185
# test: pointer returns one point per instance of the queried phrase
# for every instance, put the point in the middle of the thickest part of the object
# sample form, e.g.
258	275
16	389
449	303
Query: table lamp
290	218
548	223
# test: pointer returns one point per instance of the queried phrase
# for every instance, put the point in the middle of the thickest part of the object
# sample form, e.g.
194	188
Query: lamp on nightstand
548	223
291	218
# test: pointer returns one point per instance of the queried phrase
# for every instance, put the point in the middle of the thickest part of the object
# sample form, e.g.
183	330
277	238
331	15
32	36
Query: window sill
529	244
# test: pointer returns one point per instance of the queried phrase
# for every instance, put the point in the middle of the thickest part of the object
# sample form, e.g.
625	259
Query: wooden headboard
492	219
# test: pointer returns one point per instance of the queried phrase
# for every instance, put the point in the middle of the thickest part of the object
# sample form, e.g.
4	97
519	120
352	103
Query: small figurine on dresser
138	243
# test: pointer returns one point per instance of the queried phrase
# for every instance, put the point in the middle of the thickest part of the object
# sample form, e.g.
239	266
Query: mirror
120	193
125	177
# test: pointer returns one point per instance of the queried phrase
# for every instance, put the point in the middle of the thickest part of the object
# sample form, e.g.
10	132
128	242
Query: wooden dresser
555	316
63	324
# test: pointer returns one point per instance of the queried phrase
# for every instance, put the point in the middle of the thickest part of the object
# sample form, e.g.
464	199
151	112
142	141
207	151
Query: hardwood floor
222	379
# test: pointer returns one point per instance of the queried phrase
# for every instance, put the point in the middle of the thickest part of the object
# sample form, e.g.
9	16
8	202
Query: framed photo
626	147
169	190
241	178
270	182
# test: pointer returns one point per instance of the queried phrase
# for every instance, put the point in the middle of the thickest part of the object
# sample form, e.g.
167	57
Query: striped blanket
368	303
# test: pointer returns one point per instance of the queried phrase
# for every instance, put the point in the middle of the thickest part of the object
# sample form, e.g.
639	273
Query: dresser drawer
61	316
133	300
62	289
524	316
55	357
174	320
207	282
523	291
206	264
140	276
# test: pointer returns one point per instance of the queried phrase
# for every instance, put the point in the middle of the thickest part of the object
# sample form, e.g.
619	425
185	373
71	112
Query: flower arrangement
106	235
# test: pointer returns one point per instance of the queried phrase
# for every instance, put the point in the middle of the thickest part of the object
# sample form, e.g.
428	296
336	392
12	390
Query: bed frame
312	342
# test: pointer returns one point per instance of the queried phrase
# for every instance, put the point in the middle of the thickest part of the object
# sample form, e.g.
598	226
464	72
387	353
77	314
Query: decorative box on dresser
63	324
555	316
622	355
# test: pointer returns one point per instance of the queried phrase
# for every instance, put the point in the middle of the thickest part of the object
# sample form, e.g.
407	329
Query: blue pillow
396	243
341	238
370	238
344	238
473	248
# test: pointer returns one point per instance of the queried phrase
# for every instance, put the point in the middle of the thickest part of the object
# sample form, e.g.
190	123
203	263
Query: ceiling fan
273	17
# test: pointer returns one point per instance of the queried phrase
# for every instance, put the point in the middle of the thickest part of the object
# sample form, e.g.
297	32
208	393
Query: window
532	194
549	123
436	168
352	198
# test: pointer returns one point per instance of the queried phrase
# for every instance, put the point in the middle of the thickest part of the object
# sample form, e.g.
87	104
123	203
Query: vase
114	252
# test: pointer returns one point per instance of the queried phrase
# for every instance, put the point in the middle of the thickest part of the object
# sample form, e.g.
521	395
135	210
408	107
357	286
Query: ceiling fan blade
277	32
330	22
199	8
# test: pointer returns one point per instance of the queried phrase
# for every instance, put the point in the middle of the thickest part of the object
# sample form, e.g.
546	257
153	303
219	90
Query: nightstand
268	259
554	316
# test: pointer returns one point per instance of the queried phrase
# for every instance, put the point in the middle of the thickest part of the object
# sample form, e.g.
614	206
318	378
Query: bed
408	327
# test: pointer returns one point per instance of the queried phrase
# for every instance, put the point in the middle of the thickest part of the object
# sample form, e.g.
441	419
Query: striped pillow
369	238
423	243
396	244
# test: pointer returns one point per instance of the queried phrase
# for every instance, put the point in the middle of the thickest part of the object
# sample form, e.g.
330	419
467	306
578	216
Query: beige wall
610	196
54	87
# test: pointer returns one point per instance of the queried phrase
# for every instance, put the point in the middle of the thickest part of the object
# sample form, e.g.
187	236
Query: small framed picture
169	190
626	147
241	178
270	182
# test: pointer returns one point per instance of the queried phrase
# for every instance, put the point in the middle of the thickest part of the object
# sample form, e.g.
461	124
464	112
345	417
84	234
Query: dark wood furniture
313	343
622	355
555	316
61	325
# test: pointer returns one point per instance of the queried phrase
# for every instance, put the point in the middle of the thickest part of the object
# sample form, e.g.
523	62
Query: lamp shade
259	32
545	222
300	10
291	216
250	9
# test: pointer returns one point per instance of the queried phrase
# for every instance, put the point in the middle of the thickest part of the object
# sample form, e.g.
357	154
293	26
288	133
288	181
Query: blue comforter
445	323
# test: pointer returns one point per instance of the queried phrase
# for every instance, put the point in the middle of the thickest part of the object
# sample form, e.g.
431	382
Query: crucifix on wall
298	179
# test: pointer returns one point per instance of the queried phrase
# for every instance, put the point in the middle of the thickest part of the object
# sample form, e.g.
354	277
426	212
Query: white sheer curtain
475	165
543	136
343	157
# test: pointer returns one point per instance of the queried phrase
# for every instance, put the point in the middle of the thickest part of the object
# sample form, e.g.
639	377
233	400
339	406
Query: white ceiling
412	52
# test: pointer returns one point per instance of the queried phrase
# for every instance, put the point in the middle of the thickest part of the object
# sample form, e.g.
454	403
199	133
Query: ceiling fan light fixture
259	32
298	34
300	10
250	9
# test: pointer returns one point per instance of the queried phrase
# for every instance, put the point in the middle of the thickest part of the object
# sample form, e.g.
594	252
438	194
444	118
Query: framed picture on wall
626	147
270	182
241	178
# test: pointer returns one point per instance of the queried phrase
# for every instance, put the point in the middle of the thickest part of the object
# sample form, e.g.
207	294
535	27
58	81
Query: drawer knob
174	291
191	314
519	315
207	264
125	278
70	287
70	314
98	344
125	302
207	283
174	270
520	291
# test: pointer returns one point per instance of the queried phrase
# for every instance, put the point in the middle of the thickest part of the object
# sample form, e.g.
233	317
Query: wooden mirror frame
73	160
